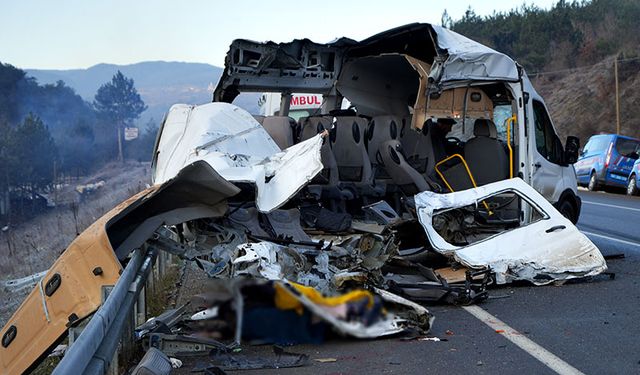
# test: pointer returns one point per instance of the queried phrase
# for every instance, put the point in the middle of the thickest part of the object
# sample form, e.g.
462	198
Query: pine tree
118	101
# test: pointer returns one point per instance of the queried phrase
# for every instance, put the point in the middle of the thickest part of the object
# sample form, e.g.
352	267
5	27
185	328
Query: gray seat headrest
484	128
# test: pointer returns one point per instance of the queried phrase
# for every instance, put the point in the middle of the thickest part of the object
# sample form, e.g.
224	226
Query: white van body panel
548	178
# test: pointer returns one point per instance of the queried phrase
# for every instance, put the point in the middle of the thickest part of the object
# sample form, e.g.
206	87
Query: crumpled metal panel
532	252
470	60
236	146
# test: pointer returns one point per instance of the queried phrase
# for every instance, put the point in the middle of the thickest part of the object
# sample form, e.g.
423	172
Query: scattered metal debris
154	362
228	362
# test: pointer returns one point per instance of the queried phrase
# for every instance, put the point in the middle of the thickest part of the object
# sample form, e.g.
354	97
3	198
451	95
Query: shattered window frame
524	220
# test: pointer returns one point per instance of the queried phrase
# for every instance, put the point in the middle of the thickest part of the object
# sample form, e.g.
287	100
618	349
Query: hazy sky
67	34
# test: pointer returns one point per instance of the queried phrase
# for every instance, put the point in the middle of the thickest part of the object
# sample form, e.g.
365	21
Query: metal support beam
285	103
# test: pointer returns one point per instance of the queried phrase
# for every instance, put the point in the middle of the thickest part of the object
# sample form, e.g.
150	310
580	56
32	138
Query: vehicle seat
485	155
281	129
311	126
259	118
380	130
349	150
416	146
408	180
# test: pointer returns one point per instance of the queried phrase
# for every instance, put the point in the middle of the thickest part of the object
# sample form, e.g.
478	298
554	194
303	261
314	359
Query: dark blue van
634	179
607	160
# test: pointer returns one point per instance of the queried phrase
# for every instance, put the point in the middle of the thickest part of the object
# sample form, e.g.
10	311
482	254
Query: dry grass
34	245
159	297
582	102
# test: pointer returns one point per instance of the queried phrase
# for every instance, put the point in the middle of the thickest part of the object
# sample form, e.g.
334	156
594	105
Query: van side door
547	155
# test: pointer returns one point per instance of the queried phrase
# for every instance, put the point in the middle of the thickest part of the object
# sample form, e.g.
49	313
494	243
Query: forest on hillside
48	132
570	34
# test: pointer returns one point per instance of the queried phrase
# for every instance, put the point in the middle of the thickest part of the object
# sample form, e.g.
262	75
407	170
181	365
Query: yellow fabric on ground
284	299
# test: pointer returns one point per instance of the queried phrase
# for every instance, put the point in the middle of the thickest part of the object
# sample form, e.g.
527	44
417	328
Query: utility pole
615	68
120	154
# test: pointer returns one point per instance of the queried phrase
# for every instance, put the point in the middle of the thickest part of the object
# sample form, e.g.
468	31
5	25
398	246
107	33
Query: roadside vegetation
49	135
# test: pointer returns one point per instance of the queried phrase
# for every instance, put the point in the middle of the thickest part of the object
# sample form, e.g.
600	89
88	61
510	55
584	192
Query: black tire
632	187
593	182
568	210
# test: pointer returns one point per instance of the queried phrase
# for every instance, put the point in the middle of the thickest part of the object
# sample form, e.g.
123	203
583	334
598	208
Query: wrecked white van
431	111
441	151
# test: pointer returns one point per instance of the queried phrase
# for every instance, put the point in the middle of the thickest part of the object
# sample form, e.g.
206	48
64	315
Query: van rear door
626	154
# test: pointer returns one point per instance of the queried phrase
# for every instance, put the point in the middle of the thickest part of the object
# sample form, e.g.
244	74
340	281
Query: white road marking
611	205
535	350
611	238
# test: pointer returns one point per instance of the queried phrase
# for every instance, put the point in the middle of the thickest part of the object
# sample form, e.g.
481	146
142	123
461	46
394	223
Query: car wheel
632	187
593	182
567	210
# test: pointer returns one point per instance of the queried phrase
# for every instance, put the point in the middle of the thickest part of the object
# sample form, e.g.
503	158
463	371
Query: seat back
486	156
409	180
281	129
259	118
350	151
380	130
311	126
417	147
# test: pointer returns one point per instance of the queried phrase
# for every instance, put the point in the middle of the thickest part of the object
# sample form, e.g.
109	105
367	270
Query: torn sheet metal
167	320
422	284
548	249
226	361
175	345
72	288
470	60
359	257
236	146
452	56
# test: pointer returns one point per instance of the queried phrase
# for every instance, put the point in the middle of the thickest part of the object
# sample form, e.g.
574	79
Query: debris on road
154	362
434	339
325	360
226	361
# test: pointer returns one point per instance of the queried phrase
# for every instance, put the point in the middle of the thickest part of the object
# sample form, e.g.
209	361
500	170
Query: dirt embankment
34	245
582	102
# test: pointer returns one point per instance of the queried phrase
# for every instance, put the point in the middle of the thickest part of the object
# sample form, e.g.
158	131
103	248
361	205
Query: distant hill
160	83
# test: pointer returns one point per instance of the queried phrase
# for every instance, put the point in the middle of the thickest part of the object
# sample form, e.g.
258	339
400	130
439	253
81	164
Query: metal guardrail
94	348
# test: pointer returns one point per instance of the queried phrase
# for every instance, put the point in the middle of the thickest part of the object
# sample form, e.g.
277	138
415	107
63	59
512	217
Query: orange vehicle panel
85	266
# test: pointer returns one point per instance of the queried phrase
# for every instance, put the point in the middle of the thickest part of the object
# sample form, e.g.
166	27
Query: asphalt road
590	327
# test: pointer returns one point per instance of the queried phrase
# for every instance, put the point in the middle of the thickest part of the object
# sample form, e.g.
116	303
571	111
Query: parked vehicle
607	160
634	179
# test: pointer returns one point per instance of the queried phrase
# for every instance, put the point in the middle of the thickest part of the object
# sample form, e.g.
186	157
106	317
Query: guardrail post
141	307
